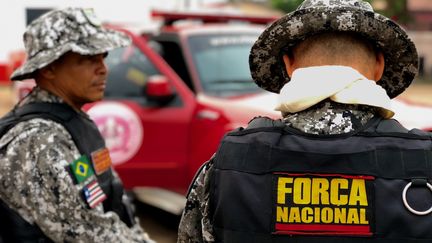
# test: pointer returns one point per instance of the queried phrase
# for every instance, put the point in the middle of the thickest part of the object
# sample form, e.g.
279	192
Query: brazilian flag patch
81	169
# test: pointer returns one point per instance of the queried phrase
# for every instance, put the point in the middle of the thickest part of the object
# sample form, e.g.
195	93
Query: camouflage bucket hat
318	16
59	31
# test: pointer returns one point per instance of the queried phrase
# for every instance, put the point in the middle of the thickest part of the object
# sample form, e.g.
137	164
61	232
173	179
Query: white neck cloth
311	85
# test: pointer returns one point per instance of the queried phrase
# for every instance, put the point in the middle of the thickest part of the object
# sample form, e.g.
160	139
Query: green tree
394	9
397	10
286	5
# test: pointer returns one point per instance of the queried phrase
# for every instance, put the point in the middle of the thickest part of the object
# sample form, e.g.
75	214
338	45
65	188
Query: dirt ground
6	99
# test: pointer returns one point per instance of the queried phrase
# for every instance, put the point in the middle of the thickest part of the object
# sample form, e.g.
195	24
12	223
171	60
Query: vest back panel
274	184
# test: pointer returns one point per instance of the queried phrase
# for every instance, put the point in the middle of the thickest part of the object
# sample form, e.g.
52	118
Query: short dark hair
330	48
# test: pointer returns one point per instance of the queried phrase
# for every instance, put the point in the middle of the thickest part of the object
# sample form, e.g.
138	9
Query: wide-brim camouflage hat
60	31
319	16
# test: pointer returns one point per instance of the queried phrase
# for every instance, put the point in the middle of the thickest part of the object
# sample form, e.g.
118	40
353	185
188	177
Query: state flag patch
101	160
93	194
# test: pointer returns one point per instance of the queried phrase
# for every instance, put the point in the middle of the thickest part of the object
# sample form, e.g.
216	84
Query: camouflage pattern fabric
324	118
59	31
328	118
195	225
318	16
34	183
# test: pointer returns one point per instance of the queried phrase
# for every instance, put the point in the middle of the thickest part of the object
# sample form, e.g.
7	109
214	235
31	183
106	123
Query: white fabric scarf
309	86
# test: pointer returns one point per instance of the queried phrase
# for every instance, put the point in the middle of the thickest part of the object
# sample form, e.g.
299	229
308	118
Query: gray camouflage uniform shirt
324	118
34	183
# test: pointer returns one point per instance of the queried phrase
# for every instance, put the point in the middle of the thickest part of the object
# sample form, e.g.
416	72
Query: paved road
160	225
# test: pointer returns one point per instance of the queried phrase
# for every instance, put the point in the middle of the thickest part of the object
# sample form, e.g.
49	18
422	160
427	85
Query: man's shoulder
393	126
38	128
263	122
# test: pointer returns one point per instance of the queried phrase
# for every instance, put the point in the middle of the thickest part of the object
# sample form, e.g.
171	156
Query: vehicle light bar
170	17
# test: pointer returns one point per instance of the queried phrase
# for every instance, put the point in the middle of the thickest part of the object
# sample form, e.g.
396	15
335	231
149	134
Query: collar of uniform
40	95
328	117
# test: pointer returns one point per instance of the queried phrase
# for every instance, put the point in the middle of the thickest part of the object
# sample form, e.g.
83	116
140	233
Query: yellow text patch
312	204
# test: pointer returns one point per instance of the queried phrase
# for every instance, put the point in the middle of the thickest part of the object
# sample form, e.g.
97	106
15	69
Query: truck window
173	55
222	63
129	70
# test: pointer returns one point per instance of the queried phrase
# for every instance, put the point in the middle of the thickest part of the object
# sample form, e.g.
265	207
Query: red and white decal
120	127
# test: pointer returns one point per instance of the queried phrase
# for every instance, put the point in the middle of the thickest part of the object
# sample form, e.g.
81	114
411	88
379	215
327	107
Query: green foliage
396	9
286	5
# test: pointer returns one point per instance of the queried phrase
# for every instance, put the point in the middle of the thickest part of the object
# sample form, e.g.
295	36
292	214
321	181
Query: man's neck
59	93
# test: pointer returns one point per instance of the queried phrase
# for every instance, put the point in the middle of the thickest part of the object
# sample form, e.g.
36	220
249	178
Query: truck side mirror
159	89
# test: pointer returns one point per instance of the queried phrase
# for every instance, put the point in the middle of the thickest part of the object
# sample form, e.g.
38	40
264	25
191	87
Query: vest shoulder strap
392	128
56	112
376	127
260	122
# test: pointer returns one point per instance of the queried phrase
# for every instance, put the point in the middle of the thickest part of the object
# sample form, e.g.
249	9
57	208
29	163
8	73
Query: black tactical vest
272	183
87	138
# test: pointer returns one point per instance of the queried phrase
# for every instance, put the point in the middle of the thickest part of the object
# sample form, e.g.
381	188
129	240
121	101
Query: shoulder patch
93	194
81	169
101	160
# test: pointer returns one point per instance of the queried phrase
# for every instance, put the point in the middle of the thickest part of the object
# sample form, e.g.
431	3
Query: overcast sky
13	14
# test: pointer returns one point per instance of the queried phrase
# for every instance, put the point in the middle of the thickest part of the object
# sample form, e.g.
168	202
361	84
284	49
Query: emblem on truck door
121	129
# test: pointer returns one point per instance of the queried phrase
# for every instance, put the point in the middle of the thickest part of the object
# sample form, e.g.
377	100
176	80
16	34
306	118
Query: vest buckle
416	182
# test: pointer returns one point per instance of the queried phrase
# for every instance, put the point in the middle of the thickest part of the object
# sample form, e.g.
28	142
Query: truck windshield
222	63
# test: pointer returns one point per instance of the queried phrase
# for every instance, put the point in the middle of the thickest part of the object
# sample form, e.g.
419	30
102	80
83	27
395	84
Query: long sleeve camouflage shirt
34	183
324	118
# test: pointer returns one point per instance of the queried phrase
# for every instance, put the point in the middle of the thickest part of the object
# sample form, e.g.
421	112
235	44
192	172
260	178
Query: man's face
80	79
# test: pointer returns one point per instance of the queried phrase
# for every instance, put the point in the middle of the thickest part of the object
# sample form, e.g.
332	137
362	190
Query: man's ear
47	72
379	66
289	64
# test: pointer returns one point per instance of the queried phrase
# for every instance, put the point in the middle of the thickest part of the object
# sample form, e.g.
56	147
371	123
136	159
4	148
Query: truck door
147	137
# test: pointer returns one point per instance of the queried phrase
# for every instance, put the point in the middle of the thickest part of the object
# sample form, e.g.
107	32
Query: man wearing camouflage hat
56	180
336	168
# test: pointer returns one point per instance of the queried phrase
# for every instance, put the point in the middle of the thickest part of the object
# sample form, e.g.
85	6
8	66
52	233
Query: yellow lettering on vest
320	193
336	185
317	217
340	216
302	191
283	189
327	215
358	193
294	215
353	216
281	214
363	219
307	215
